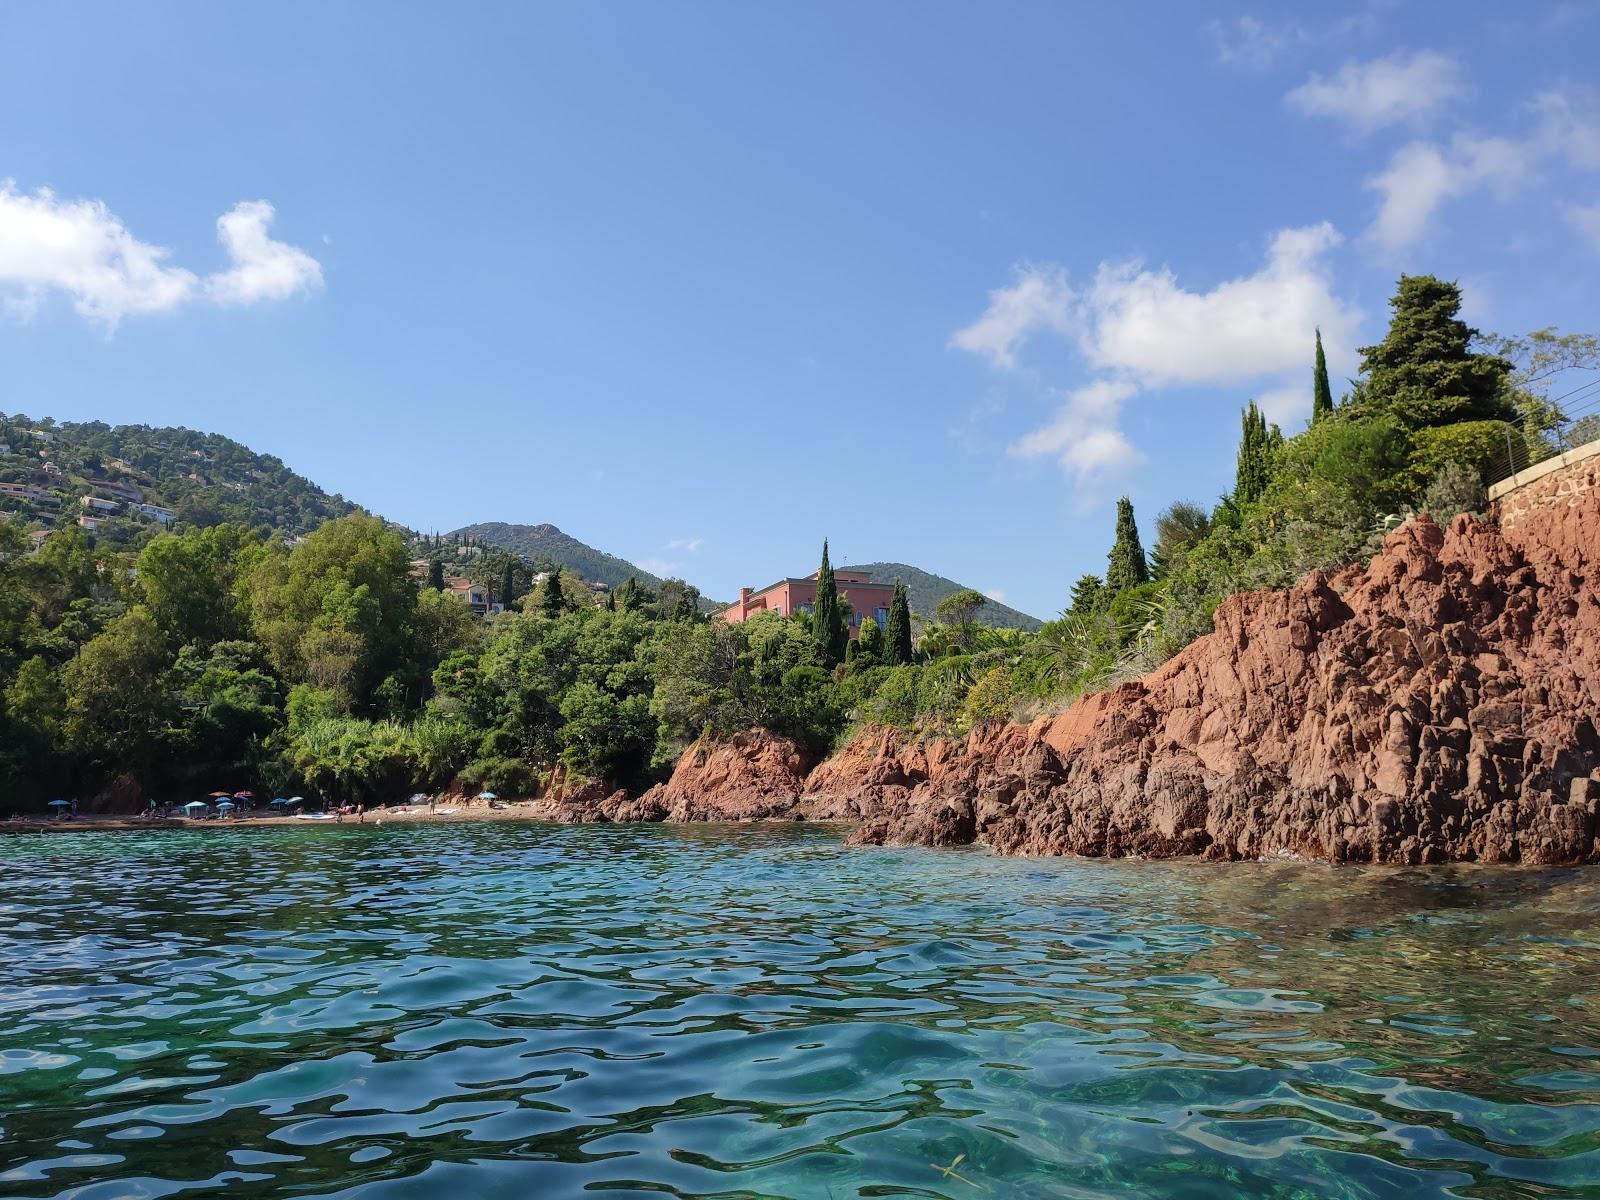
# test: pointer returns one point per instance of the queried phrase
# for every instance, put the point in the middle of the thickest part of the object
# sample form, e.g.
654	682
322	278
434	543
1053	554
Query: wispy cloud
1253	44
1039	299
1585	218
1398	89
81	249
1422	176
1139	329
689	544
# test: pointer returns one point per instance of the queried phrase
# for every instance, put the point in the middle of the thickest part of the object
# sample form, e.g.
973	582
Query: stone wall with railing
1558	482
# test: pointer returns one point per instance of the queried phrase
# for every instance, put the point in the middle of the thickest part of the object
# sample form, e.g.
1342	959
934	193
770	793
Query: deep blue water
527	1011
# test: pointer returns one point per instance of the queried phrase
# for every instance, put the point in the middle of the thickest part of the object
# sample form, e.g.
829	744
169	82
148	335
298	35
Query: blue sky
702	284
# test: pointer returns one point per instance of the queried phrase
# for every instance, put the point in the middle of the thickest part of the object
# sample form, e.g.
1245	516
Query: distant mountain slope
548	542
204	478
926	590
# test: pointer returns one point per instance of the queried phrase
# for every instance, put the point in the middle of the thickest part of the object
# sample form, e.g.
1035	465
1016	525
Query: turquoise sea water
519	1010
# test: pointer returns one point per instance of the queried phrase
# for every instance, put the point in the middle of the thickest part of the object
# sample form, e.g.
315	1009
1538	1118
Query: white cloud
1083	436
1398	89
1253	44
659	566
995	594
262	269
690	544
1145	324
82	250
1039	299
1139	329
1585	218
1423	175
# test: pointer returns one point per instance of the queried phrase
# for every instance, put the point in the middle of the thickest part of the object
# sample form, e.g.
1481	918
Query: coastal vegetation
231	651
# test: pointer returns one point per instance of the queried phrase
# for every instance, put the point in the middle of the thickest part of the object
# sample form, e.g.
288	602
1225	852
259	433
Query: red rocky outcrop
1441	704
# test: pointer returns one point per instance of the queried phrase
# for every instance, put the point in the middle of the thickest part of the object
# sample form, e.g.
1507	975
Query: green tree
867	649
1125	564
1179	529
827	616
1321	393
1253	468
897	648
508	582
1424	371
959	610
552	596
1086	595
436	575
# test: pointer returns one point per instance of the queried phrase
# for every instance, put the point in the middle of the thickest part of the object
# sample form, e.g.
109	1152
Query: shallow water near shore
530	1010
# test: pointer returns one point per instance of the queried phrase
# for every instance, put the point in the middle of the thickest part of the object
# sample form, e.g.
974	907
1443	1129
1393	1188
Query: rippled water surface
527	1011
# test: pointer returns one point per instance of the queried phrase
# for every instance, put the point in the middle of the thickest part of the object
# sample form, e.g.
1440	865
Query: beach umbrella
221	804
220	795
296	799
419	798
61	804
280	800
244	795
487	796
195	804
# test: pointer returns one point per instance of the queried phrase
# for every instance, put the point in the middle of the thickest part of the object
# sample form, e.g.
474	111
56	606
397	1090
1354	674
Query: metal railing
1576	422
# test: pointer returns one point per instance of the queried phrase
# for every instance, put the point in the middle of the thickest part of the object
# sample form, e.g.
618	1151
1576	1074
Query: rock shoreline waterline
1438	705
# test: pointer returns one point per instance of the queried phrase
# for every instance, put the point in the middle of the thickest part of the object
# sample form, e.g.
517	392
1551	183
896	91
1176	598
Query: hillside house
85	521
31	492
789	596
122	491
475	596
37	538
96	504
155	512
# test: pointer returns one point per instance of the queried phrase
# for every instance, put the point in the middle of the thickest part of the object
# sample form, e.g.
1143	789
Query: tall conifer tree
508	583
436	575
897	649
1125	565
1255	451
827	618
1321	393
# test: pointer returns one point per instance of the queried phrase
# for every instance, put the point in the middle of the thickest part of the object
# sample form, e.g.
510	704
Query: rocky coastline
1440	704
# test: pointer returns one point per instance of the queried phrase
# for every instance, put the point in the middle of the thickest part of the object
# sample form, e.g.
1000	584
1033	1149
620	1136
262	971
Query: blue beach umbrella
61	804
194	804
226	804
487	796
282	801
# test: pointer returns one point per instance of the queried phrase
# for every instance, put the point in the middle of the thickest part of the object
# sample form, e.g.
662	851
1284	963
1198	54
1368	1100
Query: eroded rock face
1441	704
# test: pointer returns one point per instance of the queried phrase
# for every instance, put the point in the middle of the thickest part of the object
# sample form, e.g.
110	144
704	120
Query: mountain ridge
925	589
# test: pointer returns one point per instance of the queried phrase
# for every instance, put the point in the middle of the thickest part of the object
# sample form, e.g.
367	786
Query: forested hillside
926	590
549	544
202	479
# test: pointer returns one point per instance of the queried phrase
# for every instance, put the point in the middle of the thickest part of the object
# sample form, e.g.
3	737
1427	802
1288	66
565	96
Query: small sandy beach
411	814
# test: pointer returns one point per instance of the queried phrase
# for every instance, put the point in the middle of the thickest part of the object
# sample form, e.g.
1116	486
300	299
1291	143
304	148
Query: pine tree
897	649
1086	595
1255	457
628	595
436	575
1424	371
1321	393
1125	565
508	583
554	601
827	618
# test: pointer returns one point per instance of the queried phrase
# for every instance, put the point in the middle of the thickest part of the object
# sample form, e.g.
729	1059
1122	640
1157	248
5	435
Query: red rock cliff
1441	704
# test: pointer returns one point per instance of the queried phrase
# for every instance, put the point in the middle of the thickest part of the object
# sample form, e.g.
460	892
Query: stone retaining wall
1560	482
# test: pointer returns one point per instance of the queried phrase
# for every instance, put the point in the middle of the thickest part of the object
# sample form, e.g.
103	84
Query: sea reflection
513	1010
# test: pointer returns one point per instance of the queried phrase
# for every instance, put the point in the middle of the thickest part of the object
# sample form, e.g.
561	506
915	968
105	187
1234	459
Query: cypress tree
628	595
897	648
436	575
1125	565
827	618
554	601
1255	452
508	584
1321	393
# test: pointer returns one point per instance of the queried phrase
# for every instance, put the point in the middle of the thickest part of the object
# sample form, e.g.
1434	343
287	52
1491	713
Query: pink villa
789	596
